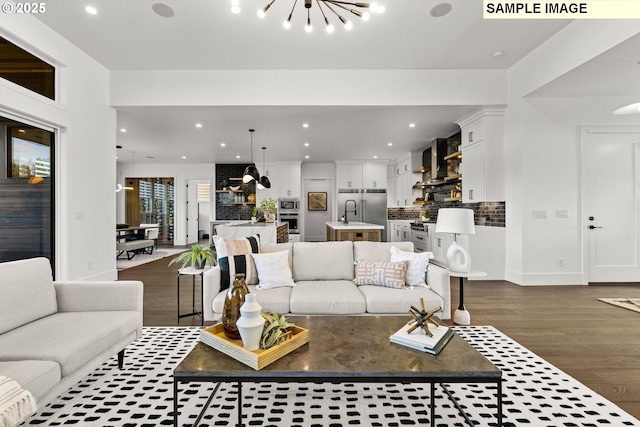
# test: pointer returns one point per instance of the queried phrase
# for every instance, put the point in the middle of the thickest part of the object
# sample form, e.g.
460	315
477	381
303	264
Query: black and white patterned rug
535	394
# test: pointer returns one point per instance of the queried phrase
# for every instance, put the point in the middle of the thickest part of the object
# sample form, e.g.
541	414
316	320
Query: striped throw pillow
234	256
381	273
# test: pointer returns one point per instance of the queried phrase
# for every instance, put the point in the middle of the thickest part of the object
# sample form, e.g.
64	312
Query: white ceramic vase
251	323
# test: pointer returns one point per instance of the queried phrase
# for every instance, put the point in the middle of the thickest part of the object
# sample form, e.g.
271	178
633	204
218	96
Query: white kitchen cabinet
270	171
399	231
289	175
483	155
402	190
403	165
374	175
472	133
349	175
473	173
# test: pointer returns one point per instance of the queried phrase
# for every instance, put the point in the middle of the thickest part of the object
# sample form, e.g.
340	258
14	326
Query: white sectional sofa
53	334
324	273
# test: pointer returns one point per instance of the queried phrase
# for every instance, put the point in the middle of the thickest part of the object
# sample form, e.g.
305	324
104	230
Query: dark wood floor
596	343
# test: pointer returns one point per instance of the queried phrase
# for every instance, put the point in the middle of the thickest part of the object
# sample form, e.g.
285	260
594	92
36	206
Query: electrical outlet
560	262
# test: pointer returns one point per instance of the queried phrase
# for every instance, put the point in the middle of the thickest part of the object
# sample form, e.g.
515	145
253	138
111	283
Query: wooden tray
214	336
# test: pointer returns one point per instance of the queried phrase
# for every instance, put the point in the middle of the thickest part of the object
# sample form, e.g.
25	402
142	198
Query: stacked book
419	340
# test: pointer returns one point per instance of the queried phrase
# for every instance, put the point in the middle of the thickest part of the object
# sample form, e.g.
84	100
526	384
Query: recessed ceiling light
235	6
237	157
497	55
198	125
306	144
412	125
222	144
184	157
123	130
375	157
91	10
305	125
389	144
306	157
162	10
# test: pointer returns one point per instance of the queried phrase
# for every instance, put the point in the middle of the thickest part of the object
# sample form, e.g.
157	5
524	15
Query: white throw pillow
418	264
273	270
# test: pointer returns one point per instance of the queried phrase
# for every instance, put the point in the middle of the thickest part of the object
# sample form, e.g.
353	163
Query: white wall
181	173
85	206
543	155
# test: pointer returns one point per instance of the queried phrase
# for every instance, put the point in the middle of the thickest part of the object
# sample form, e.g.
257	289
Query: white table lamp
456	221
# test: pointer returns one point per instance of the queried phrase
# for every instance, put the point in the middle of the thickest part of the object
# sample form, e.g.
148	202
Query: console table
461	316
346	360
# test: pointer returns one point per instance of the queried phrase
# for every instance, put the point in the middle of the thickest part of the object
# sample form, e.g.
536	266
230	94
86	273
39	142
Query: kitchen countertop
239	230
254	224
354	225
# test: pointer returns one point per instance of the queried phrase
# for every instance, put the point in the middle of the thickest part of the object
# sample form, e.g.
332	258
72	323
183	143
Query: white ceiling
204	34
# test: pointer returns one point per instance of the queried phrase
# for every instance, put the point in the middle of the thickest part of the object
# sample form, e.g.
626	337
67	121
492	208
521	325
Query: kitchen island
338	231
270	232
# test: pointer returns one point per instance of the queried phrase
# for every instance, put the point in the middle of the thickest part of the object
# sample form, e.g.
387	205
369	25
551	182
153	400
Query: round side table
193	272
461	316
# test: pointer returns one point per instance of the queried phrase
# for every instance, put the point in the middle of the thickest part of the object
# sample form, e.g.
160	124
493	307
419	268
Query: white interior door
610	163
192	212
314	229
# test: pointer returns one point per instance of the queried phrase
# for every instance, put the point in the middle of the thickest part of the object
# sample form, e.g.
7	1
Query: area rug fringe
535	393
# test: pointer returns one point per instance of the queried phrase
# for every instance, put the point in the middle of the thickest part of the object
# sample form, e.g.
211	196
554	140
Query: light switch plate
540	214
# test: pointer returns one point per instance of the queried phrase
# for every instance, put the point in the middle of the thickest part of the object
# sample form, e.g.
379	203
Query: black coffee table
346	349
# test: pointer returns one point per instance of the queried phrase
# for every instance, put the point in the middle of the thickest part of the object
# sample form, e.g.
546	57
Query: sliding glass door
26	191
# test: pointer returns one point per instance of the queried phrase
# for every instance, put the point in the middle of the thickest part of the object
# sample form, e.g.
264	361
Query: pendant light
264	180
251	172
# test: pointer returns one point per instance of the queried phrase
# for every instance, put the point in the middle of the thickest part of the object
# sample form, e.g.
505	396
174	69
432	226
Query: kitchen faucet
355	212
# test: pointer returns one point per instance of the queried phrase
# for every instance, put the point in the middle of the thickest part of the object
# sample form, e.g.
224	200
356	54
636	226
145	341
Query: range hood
433	160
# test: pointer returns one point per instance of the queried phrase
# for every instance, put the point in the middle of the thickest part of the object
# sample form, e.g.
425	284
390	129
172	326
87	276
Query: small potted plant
269	209
197	257
254	215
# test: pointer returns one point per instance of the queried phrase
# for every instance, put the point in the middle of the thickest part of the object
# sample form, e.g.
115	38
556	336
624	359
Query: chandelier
362	10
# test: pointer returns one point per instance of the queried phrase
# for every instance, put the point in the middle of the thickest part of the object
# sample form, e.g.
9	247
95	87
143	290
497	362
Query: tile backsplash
490	214
404	213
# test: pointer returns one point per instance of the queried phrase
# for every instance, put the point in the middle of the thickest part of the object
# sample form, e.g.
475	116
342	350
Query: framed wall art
317	200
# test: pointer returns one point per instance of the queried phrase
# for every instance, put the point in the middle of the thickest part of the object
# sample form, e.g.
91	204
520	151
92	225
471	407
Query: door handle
591	227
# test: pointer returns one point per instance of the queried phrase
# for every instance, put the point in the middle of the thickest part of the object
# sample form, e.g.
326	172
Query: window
24	69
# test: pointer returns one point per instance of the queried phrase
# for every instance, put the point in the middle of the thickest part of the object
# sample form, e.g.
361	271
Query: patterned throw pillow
234	256
381	273
418	264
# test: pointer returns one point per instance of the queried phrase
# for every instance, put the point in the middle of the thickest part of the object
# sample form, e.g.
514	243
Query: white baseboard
545	279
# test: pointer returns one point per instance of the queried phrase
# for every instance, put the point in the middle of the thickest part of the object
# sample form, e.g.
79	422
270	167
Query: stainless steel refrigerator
370	206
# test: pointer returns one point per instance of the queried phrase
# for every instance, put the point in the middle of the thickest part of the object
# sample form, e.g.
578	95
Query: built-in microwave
288	205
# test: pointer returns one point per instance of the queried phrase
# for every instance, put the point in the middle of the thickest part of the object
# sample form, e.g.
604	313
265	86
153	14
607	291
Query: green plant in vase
197	257
268	208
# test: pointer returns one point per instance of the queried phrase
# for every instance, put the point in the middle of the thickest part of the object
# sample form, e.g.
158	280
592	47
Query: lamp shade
250	173
264	182
455	220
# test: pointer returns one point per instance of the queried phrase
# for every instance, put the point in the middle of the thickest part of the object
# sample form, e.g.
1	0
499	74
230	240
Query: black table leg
461	306
239	404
